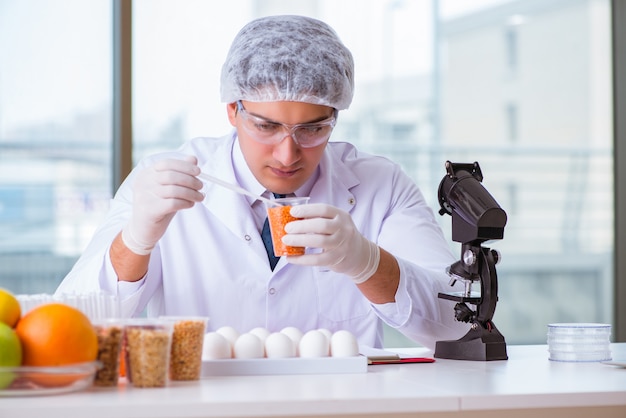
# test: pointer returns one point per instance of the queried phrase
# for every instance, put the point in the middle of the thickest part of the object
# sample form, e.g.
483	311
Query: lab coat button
247	237
272	291
351	201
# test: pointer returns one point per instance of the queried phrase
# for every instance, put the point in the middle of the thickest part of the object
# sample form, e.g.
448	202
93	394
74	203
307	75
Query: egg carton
292	365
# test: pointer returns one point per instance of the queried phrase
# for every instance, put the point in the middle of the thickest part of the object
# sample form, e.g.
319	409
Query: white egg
260	332
279	345
326	332
295	334
343	344
215	346
248	346
314	344
230	333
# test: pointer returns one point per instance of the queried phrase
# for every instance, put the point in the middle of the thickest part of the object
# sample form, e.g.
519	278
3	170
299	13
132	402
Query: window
511	122
522	111
510	35
523	87
552	145
55	136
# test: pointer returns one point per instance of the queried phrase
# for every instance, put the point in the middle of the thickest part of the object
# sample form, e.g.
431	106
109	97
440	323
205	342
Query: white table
527	384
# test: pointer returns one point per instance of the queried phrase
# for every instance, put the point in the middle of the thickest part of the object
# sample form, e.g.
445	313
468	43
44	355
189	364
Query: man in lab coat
173	245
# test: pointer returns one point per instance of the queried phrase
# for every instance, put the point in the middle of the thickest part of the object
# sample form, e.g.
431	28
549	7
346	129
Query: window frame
618	36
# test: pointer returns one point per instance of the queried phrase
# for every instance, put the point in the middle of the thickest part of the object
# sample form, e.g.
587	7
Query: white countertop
526	384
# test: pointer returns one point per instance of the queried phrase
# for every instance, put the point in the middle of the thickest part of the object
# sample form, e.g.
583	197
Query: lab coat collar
335	181
244	176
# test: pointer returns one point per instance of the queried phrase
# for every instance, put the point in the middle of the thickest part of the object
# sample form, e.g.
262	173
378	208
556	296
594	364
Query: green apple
10	353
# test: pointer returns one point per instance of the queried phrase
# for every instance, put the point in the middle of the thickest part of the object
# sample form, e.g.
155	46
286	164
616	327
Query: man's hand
344	249
159	192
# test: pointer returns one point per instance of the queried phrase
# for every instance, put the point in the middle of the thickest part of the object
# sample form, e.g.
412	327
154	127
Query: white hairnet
288	58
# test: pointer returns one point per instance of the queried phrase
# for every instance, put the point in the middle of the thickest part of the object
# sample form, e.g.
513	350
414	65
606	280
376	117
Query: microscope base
478	344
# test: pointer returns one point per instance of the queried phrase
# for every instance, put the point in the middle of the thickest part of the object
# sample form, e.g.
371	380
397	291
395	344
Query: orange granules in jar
278	218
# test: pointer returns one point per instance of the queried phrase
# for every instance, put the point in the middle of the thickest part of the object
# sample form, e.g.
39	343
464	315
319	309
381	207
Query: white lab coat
211	260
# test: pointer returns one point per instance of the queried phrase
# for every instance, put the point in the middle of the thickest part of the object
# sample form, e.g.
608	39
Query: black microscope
476	218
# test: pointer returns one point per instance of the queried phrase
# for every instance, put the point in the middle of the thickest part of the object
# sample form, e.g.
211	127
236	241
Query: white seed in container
260	332
279	345
216	347
314	344
343	344
295	334
249	346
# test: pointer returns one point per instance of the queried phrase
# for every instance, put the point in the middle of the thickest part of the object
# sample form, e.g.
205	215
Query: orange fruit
10	310
56	334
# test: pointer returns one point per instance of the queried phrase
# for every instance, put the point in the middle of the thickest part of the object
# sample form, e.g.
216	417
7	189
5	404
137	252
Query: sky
42	47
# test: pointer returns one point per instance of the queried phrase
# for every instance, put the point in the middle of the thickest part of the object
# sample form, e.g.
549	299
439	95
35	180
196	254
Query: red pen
401	360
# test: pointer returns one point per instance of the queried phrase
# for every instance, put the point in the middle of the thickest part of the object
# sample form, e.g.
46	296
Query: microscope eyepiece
476	216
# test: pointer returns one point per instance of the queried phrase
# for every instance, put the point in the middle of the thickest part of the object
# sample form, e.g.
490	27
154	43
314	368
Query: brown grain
186	357
147	356
109	345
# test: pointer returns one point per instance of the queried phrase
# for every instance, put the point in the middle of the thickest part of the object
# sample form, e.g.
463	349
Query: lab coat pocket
339	300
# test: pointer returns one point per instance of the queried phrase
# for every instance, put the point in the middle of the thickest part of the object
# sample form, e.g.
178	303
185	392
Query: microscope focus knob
469	258
496	256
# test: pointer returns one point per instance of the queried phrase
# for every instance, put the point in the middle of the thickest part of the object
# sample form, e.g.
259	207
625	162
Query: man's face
285	166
